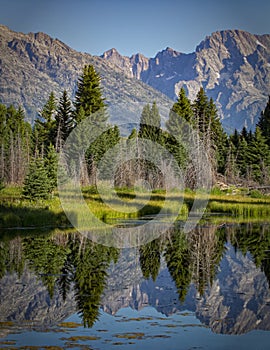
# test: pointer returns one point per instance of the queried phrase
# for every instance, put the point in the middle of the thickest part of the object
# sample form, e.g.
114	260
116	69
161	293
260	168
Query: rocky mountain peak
233	67
110	53
168	52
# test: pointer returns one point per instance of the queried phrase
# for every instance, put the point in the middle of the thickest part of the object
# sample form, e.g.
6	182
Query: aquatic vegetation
134	335
81	338
69	324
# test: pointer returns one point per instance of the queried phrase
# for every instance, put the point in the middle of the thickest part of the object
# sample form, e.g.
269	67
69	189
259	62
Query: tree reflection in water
69	262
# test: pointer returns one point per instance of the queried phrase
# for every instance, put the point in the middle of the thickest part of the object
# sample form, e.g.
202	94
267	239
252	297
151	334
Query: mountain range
233	67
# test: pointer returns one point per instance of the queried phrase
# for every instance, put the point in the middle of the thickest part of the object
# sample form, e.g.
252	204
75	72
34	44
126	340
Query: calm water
208	289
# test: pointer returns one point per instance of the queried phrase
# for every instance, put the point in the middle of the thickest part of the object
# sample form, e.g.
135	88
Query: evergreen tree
14	144
64	121
178	261
89	96
264	122
244	133
211	131
37	184
235	139
201	115
90	275
218	137
178	125
258	157
150	123
45	126
180	109
150	259
50	163
133	134
241	157
45	258
90	103
105	143
150	129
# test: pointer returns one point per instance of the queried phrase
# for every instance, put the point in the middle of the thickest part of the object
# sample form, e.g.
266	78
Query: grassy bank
15	211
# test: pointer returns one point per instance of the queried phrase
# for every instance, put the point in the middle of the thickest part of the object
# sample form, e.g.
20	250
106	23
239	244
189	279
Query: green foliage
178	261
150	123
50	163
150	259
37	184
64	121
179	111
256	194
46	258
250	154
89	98
264	122
45	127
104	146
14	144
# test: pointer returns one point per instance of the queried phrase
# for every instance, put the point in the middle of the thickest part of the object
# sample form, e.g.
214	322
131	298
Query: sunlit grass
15	211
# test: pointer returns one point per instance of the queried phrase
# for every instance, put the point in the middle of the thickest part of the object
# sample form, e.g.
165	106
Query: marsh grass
15	211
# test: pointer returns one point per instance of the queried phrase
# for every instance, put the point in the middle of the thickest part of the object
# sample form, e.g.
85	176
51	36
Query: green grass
15	211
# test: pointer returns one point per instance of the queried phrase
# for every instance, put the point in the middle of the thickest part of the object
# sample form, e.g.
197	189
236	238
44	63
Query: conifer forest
29	152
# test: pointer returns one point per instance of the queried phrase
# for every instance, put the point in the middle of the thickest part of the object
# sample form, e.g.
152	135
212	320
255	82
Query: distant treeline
29	153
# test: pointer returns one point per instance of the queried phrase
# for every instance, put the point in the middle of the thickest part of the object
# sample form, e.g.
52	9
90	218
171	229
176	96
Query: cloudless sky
132	26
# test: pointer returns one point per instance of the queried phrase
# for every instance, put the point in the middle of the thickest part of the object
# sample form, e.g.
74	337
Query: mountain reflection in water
221	274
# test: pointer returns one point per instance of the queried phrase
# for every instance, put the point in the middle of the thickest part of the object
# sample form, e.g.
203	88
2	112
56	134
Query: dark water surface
208	289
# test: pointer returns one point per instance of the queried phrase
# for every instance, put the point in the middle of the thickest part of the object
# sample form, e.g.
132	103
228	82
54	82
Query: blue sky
145	26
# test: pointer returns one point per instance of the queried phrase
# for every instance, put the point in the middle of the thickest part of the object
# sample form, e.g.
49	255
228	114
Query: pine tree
89	96
211	131
37	184
218	137
258	156
241	157
50	163
150	123
179	124
150	129
89	103
64	121
202	118
45	126
264	122
150	259
180	110
104	145
235	139
14	144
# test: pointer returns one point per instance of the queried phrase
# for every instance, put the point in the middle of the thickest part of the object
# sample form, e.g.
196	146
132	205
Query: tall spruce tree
45	126
89	98
180	110
89	103
264	122
150	129
178	125
202	117
218	137
64	121
211	131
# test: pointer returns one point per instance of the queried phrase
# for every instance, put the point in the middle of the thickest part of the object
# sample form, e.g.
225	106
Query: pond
207	289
